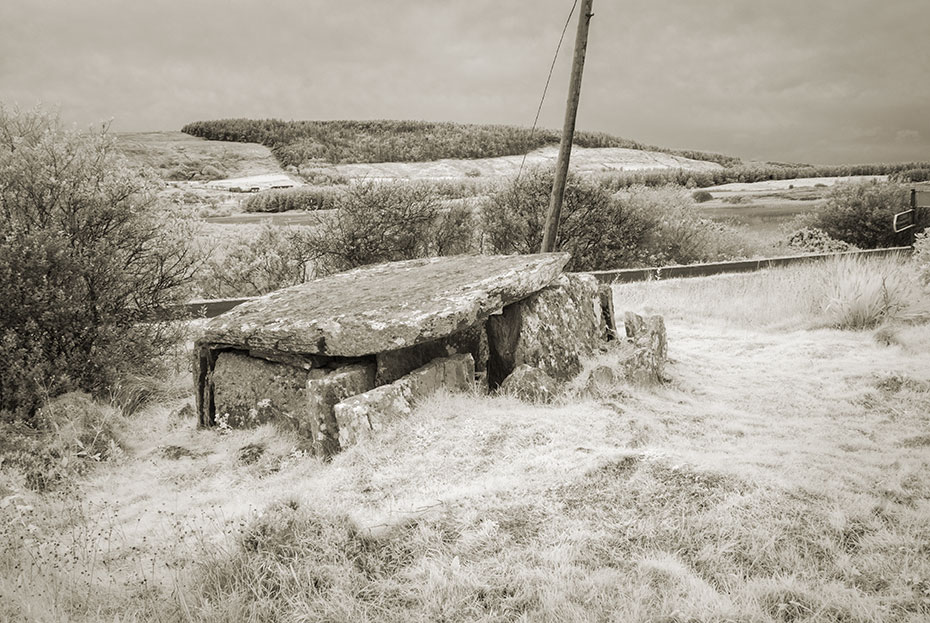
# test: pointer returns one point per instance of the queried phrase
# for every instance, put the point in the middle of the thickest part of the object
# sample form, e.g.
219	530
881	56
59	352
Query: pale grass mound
584	160
783	474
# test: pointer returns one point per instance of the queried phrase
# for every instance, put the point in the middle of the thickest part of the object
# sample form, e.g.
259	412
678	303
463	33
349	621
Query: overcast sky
818	81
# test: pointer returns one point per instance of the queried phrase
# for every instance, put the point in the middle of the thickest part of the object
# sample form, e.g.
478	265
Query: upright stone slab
319	422
378	309
646	364
550	330
358	417
250	391
530	384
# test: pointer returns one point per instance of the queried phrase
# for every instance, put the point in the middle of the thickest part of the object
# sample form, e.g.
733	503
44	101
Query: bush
676	233
861	214
385	222
634	227
598	231
276	258
86	255
912	175
701	196
298	198
809	239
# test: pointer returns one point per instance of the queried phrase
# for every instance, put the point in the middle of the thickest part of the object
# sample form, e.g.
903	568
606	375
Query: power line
548	79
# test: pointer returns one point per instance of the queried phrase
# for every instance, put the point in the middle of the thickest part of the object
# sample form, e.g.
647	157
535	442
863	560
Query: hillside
176	156
584	160
296	143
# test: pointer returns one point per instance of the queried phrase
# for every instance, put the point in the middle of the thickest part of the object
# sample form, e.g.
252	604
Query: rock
358	417
648	338
249	391
175	453
530	384
250	453
606	295
633	325
184	412
319	422
384	307
602	381
551	330
657	337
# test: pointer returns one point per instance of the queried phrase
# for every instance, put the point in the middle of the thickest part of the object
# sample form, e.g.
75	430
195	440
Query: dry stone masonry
341	357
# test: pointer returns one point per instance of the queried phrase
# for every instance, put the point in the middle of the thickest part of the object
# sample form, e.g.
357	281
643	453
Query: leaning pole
551	234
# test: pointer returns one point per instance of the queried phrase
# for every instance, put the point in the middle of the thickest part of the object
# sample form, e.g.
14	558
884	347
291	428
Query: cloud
836	80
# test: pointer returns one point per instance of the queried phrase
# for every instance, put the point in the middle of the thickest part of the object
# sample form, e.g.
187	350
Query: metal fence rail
215	307
628	275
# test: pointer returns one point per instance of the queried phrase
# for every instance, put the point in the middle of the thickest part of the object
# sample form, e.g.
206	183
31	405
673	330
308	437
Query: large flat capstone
384	307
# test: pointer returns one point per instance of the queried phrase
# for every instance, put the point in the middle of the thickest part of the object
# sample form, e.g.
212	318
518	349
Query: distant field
584	160
766	206
181	157
784	185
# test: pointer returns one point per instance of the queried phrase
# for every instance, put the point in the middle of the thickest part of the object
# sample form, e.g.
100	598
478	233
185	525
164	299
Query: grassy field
780	475
585	161
766	207
181	157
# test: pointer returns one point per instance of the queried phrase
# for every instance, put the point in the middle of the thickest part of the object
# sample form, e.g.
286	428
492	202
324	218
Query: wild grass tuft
68	435
863	293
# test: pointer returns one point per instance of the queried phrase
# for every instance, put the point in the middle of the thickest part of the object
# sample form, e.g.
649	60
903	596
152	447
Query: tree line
297	142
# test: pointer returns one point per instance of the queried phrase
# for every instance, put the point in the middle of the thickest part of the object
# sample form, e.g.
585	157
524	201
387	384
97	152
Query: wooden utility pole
568	130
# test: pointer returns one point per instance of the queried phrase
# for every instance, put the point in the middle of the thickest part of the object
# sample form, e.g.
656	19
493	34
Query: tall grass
848	293
862	294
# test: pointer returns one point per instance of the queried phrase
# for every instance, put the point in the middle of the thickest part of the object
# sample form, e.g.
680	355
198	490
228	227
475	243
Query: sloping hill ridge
295	143
584	160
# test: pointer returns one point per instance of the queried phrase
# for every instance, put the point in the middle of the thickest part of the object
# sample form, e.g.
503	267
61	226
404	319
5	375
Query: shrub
809	239
861	214
701	196
634	227
598	231
374	223
676	233
86	255
276	258
298	198
738	199
912	175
